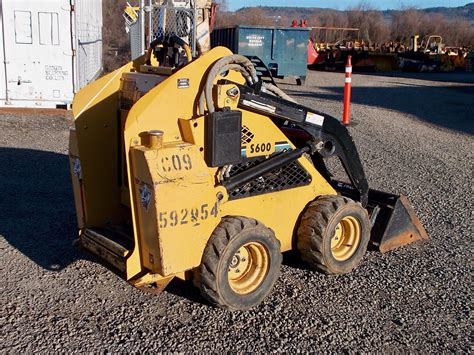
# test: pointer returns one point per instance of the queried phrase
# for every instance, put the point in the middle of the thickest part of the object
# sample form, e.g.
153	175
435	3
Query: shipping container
283	50
49	50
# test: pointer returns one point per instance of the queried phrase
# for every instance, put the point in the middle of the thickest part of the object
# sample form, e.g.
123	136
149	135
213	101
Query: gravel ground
414	135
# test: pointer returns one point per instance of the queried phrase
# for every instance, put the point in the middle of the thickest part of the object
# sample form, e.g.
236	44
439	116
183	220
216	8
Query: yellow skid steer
204	172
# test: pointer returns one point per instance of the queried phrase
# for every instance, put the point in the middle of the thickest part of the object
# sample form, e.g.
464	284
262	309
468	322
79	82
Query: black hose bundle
242	65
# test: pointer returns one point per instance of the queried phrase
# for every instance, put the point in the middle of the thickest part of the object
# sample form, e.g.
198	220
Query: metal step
101	242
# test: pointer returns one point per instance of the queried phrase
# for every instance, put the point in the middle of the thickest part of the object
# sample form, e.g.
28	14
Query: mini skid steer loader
204	172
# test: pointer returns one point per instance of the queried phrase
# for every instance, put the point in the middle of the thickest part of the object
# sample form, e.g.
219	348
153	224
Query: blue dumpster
283	50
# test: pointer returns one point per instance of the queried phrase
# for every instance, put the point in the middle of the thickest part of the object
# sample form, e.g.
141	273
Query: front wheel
333	234
240	264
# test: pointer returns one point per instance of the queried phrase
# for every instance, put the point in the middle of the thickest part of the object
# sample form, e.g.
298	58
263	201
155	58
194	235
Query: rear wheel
333	234
240	264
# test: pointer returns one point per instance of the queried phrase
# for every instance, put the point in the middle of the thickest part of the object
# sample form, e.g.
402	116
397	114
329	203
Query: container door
291	51
20	64
38	52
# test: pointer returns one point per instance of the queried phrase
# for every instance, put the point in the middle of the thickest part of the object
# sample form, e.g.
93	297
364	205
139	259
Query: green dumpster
283	50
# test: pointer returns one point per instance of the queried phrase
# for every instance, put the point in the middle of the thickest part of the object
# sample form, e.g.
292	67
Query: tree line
374	26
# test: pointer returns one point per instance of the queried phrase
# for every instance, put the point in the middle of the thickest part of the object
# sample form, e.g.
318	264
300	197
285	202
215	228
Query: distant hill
454	24
465	12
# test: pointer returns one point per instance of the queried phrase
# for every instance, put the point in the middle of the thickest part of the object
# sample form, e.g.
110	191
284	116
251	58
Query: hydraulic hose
187	50
277	91
235	67
242	65
222	65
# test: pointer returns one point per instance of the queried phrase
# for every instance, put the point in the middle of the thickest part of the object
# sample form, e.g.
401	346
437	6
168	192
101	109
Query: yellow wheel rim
248	268
346	238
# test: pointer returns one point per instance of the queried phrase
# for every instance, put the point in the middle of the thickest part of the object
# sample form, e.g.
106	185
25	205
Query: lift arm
327	134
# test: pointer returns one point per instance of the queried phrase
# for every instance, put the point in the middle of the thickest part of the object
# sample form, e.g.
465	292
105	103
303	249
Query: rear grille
283	178
247	135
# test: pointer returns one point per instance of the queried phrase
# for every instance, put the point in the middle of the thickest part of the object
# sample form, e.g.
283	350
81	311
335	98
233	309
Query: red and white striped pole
346	116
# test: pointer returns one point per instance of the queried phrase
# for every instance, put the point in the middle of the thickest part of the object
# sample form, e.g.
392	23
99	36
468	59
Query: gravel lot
415	136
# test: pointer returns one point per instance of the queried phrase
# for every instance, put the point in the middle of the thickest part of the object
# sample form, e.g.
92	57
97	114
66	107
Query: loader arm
326	133
393	219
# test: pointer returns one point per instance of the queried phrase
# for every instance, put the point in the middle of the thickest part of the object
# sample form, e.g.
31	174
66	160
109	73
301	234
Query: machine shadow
186	289
451	77
442	77
38	217
447	106
37	214
292	259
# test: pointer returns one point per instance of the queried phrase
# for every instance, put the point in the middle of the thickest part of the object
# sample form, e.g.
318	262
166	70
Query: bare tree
222	5
116	49
459	33
405	24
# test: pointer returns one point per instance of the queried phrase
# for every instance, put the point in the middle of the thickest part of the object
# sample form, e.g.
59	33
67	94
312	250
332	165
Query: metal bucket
393	219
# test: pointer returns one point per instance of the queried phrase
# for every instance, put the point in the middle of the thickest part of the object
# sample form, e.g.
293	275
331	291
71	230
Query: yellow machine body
170	201
147	198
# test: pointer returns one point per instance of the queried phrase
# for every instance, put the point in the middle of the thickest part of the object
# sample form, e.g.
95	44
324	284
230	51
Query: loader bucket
394	222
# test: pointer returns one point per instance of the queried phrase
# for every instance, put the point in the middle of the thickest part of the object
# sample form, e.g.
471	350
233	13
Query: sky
344	4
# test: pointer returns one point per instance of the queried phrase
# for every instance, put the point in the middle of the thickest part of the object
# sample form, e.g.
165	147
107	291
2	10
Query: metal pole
194	29
142	26
4	59
150	21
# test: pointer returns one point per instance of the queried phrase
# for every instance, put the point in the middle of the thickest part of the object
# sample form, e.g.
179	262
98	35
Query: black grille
247	136
283	178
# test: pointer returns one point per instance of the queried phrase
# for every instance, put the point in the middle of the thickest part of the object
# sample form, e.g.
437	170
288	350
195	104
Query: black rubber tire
317	228
300	81
227	238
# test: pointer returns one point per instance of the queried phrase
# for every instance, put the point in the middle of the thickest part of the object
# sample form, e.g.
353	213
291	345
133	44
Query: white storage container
49	49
